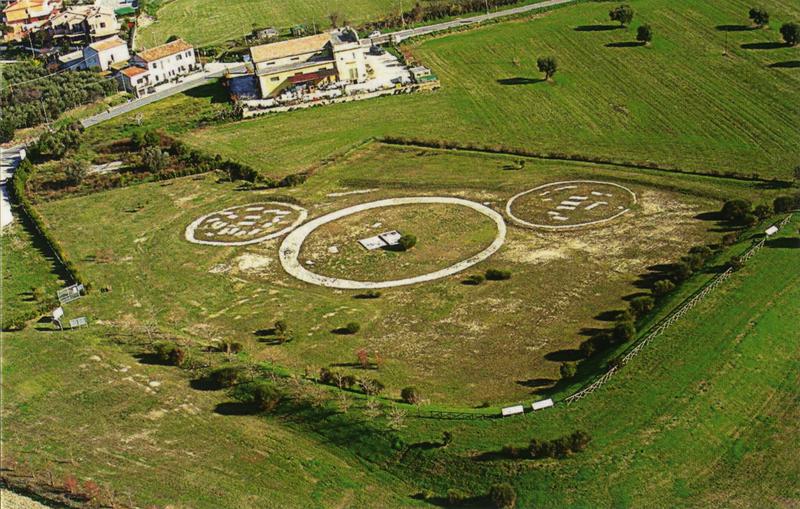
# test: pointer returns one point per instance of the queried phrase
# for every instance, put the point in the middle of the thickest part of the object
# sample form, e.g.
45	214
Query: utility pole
487	6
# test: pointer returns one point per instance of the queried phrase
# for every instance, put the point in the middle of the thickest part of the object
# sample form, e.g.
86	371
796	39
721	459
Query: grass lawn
207	22
679	102
27	272
446	337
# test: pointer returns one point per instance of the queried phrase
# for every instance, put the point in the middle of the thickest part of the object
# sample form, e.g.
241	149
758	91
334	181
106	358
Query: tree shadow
535	383
519	80
203	384
784	243
735	28
597	28
150	359
565	355
235	408
342	331
356	365
626	44
214	91
763	45
609	316
789	64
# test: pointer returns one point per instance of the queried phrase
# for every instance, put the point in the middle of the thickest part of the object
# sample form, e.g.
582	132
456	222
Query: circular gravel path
527	224
290	248
301	216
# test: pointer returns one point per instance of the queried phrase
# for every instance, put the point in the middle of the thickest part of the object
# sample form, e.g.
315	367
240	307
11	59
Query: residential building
26	16
103	54
167	62
135	80
309	62
84	23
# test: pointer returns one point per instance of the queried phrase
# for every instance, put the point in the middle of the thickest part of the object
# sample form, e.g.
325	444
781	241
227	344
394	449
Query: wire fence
670	319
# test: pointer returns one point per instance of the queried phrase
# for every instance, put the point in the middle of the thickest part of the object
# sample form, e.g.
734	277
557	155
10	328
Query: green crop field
680	102
206	22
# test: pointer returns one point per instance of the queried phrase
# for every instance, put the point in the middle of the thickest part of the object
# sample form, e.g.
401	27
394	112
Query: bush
735	210
410	395
624	331
680	271
560	447
640	306
225	376
730	239
407	241
644	34
791	33
169	353
231	347
352	328
371	386
783	204
498	275
503	496
663	287
736	262
762	211
622	14
369	294
474	279
262	394
281	328
568	370
456	496
694	260
759	15
703	251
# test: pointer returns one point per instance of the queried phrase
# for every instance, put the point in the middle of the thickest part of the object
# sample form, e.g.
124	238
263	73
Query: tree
547	65
410	395
760	16
362	356
762	211
680	271
281	328
622	14
791	33
568	370
225	376
644	34
407	241
624	331
736	262
333	17
498	274
263	395
75	170
6	129
797	173
154	159
503	496
352	328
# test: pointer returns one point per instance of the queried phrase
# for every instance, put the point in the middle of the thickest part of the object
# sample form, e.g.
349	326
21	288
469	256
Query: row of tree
789	31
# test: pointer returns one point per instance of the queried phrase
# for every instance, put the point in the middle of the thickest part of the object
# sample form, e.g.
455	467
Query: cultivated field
680	102
449	338
206	22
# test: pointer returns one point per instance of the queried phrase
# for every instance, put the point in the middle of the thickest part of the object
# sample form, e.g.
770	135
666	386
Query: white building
167	62
102	54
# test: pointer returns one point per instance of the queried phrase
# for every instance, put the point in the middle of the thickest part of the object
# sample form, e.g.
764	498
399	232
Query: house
103	54
135	80
84	23
309	62
167	62
72	60
25	16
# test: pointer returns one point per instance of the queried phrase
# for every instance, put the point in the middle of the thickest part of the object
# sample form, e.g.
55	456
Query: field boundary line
676	314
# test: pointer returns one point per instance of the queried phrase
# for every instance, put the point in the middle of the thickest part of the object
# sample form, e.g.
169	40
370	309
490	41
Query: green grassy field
206	22
679	102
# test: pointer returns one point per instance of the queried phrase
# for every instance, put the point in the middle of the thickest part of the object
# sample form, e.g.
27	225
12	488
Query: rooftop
107	44
165	50
133	71
290	48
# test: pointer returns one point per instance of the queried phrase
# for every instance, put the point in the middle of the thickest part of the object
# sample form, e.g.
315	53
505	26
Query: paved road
212	72
447	25
9	160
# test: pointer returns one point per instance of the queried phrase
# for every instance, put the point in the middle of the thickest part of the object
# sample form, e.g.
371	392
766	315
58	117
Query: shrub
154	159
762	211
547	65
231	347
456	496
735	210
680	271
225	376
371	386
281	328
407	241
410	395
736	262
624	331
560	447
498	275
663	287
703	251
475	279
694	261
369	294
326	376
75	170
503	496
169	353
568	370
348	381
351	328
640	306
644	34
783	204
730	239
262	394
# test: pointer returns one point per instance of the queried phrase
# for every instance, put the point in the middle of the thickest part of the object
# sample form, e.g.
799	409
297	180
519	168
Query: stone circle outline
526	224
289	251
301	216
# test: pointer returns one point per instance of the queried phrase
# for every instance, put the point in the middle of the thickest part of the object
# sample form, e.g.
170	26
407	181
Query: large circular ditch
570	204
310	251
245	224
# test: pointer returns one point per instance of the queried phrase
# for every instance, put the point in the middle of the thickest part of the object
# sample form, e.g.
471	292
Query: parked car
376	33
376	50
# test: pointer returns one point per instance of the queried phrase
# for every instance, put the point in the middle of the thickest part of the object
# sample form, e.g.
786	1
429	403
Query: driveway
9	160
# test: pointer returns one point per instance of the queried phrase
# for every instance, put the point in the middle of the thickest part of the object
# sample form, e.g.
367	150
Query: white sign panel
372	243
545	403
392	238
58	313
513	410
772	230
